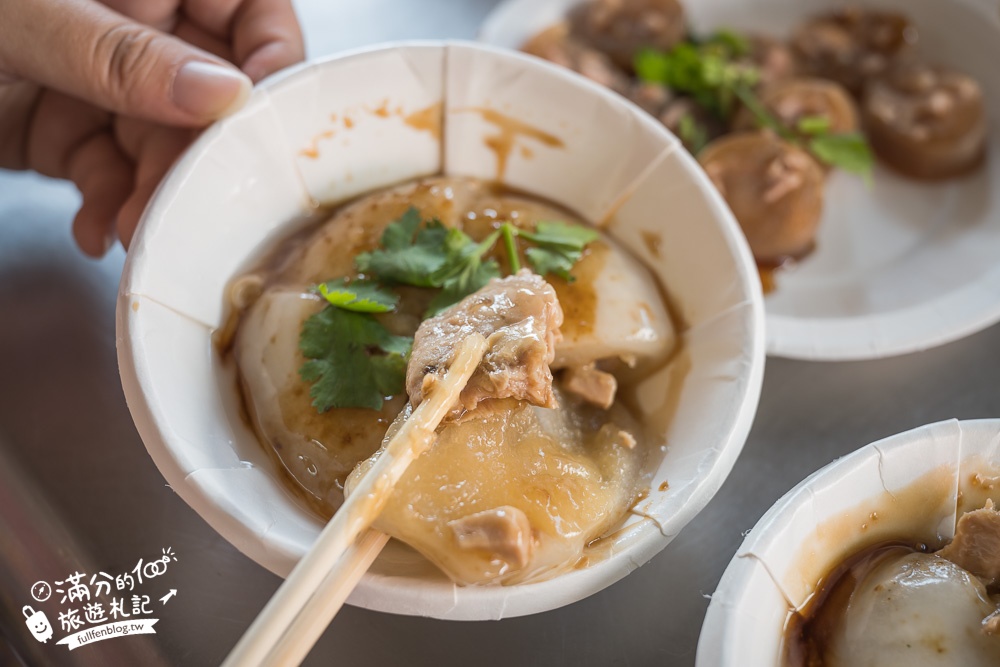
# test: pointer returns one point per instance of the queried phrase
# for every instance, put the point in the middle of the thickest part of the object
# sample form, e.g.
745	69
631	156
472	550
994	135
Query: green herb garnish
735	44
361	296
509	234
557	247
692	133
410	253
813	125
849	152
352	360
707	72
710	73
463	270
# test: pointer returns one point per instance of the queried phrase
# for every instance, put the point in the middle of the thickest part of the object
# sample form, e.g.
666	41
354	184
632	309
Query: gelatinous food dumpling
775	190
926	122
537	457
915	610
515	492
317	451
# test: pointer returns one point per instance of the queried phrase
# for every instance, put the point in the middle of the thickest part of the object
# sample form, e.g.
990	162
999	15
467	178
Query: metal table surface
64	422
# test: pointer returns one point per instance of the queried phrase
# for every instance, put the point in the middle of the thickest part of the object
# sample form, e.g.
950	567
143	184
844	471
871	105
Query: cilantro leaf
352	360
558	247
553	261
464	270
734	44
707	72
399	234
813	125
409	253
849	152
361	296
558	233
652	66
692	133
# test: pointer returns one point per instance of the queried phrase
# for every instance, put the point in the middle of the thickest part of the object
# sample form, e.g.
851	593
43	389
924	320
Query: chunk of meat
557	46
622	28
853	46
976	547
592	385
503	532
792	100
991	624
774	188
927	122
520	317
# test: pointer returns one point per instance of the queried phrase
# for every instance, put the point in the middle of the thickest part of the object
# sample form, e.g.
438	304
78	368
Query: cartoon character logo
38	623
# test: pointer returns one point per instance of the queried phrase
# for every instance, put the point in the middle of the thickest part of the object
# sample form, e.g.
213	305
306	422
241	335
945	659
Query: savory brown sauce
579	298
808	631
841	550
509	131
653	242
767	281
426	120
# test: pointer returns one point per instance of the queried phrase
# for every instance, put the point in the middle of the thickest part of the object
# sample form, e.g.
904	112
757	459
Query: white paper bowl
828	517
242	182
902	267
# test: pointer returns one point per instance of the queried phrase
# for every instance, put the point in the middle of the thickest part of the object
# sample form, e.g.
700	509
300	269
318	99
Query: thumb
85	49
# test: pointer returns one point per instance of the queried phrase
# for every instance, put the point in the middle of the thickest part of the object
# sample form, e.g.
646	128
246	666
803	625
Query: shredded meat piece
520	317
991	624
976	546
590	384
503	531
620	437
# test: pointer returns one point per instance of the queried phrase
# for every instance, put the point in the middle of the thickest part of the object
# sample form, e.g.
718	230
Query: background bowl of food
269	302
854	142
888	556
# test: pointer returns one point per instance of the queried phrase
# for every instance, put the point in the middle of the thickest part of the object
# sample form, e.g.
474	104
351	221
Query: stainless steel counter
63	420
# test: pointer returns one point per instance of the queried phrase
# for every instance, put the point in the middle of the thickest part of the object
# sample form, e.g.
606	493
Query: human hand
108	94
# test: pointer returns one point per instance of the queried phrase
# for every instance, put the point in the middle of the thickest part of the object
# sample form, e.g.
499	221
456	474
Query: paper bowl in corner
240	186
911	487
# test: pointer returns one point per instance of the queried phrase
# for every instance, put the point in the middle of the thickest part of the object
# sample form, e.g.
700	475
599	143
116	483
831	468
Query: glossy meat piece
622	28
503	532
557	46
775	190
927	122
791	100
853	46
592	385
976	546
519	316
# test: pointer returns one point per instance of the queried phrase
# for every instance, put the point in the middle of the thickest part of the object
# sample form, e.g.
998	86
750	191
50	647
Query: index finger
264	34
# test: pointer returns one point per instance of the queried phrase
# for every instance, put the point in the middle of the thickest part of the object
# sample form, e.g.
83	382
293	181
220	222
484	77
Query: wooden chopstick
324	604
334	563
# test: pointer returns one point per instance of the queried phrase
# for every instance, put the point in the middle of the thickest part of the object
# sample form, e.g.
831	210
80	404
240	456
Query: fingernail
210	91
